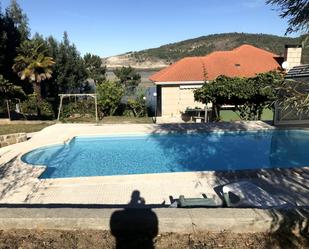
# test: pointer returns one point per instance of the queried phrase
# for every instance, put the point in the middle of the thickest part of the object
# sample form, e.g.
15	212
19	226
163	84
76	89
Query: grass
17	128
229	115
226	115
111	120
126	120
27	128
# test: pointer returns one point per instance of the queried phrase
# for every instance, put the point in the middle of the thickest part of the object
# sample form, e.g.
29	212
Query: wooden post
60	106
8	109
96	108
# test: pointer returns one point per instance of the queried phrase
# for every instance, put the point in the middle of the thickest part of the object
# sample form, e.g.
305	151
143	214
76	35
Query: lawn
17	128
110	120
226	115
229	115
124	120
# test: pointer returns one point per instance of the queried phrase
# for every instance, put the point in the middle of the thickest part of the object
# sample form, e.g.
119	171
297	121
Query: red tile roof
244	61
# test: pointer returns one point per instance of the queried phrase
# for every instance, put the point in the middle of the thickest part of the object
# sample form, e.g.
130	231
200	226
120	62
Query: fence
290	116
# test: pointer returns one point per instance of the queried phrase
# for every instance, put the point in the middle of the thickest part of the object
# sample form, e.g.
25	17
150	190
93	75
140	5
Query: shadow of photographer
135	226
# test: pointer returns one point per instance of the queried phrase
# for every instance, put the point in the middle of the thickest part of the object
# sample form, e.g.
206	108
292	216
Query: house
175	84
299	73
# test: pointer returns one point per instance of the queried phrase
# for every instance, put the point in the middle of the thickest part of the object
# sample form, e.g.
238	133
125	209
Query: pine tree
95	70
297	12
70	69
9	90
20	19
13	30
9	41
128	77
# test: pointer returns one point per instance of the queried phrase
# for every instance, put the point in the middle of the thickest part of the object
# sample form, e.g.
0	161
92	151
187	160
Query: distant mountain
162	56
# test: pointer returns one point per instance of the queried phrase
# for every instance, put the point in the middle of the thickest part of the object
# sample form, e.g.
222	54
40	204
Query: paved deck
19	183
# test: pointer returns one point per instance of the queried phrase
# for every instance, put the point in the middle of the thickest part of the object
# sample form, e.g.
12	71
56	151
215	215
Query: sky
113	27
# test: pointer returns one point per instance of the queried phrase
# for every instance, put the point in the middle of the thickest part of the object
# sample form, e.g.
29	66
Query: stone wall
9	139
12	122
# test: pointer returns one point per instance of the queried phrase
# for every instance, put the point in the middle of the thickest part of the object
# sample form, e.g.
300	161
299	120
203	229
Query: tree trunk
37	90
260	113
215	115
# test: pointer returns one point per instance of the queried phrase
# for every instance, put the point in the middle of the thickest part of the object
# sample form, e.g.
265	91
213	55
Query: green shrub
109	96
138	106
81	108
250	96
128	113
30	107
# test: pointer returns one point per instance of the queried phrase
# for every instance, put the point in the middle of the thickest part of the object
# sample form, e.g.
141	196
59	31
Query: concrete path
166	219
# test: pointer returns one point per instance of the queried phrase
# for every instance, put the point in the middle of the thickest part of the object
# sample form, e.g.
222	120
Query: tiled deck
19	183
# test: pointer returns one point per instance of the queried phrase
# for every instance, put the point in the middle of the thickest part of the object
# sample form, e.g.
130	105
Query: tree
9	90
33	65
94	68
128	77
249	95
109	96
13	31
20	19
70	72
293	96
297	12
51	87
30	107
138	104
223	91
263	96
9	41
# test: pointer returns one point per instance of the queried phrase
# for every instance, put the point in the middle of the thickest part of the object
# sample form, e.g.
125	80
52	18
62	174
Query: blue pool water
100	156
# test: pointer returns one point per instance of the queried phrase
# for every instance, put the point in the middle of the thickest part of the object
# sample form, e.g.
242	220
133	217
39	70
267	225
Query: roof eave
183	82
292	76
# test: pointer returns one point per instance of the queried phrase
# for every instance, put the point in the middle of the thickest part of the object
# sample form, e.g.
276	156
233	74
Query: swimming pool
121	155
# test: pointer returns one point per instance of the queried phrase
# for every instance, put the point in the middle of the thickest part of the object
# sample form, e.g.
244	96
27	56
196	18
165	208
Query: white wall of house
292	56
177	98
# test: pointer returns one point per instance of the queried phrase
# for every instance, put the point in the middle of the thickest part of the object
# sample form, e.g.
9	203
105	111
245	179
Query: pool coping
65	132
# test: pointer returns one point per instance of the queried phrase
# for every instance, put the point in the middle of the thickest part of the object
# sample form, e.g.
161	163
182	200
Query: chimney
292	56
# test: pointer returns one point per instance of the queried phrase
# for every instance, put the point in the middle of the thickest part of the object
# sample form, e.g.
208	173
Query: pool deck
19	183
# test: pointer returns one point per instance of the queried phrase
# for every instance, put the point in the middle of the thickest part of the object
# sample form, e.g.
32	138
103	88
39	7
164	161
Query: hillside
166	54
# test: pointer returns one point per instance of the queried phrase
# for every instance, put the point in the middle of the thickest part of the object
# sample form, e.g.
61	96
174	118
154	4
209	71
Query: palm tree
34	65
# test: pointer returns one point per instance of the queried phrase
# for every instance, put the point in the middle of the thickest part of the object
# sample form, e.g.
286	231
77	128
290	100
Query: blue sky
112	27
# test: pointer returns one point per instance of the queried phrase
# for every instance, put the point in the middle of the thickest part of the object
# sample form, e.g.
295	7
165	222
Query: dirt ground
30	239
